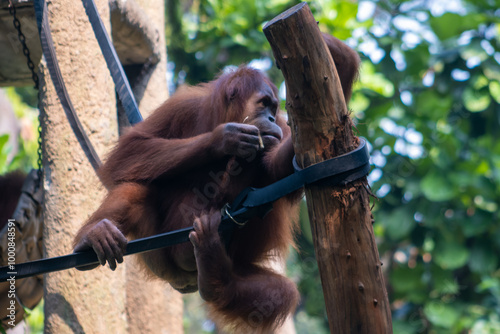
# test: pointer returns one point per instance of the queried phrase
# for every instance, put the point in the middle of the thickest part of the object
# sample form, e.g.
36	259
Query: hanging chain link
39	150
34	76
22	39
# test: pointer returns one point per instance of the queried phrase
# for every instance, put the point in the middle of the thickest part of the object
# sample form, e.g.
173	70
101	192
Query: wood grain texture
341	221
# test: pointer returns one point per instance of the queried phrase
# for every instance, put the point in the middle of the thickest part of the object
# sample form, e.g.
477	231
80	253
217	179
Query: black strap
114	65
57	79
250	203
121	82
43	266
78	259
336	171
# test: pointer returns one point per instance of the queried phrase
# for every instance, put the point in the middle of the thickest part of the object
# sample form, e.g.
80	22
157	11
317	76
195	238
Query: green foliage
26	155
4	150
435	146
35	319
208	35
445	26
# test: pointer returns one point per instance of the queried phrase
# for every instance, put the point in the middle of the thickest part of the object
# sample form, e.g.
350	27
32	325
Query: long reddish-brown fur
163	175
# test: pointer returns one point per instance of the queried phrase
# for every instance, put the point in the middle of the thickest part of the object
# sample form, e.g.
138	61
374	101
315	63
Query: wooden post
341	221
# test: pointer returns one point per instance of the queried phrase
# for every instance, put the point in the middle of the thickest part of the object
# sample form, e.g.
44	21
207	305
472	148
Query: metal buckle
225	212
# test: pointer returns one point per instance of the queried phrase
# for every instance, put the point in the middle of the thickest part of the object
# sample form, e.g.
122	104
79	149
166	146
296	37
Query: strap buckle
225	212
239	213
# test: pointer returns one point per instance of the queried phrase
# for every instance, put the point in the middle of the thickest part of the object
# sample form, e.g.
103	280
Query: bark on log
341	221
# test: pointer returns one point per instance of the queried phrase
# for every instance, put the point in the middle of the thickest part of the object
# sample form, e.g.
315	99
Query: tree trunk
341	221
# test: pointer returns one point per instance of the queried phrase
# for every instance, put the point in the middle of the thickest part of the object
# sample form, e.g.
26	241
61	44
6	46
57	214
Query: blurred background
428	101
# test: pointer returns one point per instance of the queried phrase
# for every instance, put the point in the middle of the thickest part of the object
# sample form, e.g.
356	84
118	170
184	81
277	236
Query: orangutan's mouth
271	134
187	289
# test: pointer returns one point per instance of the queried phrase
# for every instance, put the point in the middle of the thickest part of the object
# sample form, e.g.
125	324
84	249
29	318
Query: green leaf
403	327
482	259
476	100
436	187
433	105
3	152
418	57
408	282
3	140
444	282
441	314
375	81
488	283
476	226
398	223
450	254
452	25
495	90
359	102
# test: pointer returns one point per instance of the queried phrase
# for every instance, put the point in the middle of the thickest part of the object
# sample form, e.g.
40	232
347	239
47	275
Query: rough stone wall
93	301
152	306
97	301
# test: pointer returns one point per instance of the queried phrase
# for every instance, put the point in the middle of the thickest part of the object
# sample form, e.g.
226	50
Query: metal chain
39	150
34	76
22	39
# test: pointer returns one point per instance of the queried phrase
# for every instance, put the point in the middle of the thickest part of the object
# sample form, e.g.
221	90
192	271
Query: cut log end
285	15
